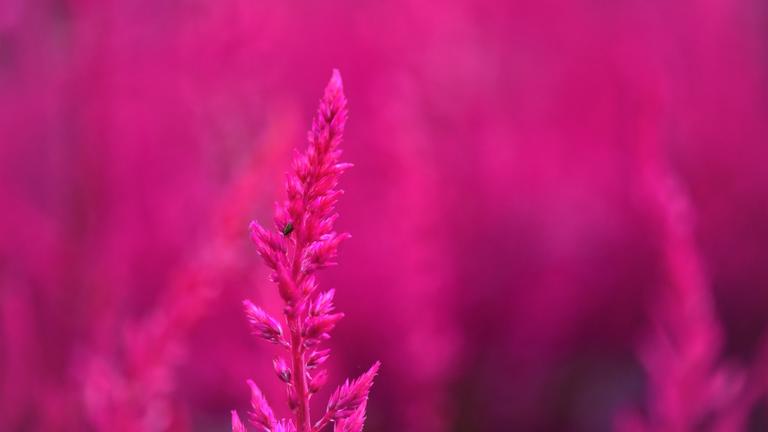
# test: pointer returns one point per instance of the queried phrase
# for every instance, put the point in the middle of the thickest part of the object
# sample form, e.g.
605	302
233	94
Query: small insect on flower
288	229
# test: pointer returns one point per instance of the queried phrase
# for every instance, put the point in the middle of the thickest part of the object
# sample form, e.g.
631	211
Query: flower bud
293	401
319	326
318	381
285	284
318	357
282	369
262	324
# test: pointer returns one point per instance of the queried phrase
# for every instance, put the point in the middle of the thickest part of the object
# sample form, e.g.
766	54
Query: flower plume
303	242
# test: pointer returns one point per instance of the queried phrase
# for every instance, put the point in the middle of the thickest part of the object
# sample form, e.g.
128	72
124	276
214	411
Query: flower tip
237	425
335	82
257	231
253	385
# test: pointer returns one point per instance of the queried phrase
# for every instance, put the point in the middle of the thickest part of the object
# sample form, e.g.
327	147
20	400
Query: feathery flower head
303	242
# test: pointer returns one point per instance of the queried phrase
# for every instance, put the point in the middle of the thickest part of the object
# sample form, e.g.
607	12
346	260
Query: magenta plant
690	387
130	386
303	243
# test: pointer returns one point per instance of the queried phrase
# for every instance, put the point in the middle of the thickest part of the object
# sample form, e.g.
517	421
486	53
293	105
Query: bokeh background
505	260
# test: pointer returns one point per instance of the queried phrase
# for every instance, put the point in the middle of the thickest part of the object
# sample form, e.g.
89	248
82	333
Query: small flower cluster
303	243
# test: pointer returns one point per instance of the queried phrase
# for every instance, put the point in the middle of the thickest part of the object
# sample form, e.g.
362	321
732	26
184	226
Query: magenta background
502	263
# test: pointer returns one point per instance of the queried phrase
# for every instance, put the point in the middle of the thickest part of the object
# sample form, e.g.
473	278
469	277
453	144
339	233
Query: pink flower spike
237	425
261	416
305	241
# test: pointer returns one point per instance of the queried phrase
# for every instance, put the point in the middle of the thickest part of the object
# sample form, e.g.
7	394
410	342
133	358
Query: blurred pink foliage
495	206
690	388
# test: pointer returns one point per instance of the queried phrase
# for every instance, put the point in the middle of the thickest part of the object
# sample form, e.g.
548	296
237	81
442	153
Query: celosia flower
304	242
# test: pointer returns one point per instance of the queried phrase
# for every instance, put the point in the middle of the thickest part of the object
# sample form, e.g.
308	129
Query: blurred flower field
559	210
